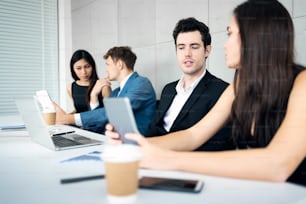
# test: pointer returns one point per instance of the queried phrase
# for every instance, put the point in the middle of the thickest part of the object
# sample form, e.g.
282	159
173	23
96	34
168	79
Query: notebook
53	137
120	115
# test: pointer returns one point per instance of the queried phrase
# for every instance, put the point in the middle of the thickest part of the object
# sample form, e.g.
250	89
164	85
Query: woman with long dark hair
87	88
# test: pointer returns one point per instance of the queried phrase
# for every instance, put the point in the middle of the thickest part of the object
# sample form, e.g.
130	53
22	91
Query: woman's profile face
233	45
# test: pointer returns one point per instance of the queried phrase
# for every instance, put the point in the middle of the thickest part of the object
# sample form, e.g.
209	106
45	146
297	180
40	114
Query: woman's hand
113	137
153	157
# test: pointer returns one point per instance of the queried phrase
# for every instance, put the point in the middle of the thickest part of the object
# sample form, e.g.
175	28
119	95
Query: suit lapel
166	101
194	97
127	85
115	92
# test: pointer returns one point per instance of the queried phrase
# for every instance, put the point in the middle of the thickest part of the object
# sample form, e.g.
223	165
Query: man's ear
120	64
207	50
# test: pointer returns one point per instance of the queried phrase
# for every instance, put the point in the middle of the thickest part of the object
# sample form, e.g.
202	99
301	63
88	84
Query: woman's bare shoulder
301	76
300	82
69	88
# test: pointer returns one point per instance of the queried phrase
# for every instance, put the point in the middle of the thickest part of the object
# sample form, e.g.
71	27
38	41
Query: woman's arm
276	162
69	91
195	136
69	88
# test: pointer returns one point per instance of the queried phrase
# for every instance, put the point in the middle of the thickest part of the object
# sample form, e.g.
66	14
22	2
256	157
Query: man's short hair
189	25
123	53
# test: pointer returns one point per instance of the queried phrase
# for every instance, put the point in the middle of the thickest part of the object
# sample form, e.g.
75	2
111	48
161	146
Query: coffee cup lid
121	153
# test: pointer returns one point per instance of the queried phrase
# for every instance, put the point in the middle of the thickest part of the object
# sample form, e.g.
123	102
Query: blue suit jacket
143	101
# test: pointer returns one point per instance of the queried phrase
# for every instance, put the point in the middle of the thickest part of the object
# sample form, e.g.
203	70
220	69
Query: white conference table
30	174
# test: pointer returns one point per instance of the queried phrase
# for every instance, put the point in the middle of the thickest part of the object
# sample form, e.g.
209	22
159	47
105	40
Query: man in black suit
184	102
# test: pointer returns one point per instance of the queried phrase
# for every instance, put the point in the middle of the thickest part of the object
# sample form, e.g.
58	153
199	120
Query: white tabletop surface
30	174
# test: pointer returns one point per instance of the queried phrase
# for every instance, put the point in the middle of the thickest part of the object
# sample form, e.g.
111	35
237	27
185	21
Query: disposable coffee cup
121	170
49	117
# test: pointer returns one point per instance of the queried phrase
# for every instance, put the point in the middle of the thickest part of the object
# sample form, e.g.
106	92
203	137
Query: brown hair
122	53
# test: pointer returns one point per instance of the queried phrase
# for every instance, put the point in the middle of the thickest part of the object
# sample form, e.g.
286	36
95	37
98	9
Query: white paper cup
121	169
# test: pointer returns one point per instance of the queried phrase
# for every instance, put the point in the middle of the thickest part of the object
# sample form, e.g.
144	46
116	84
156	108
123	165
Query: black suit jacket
202	99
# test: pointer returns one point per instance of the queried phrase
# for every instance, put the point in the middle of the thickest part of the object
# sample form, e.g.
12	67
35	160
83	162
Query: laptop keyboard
64	142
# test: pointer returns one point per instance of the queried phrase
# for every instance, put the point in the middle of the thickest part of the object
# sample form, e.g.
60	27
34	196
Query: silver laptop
53	137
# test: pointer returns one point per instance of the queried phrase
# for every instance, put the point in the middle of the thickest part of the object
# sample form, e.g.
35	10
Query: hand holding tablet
120	115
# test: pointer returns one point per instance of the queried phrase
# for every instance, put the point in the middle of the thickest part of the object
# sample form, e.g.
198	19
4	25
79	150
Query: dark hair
189	25
83	54
123	53
267	70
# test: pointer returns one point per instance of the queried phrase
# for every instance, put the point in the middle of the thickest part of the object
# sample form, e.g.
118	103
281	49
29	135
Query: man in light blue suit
120	63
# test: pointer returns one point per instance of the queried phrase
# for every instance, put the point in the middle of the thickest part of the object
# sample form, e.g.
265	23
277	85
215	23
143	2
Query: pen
63	133
79	179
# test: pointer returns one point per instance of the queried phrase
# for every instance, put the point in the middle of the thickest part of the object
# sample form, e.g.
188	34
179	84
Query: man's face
112	69
191	53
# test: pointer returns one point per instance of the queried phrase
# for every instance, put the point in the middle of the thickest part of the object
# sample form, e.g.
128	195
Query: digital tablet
45	101
120	115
